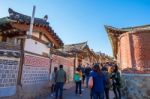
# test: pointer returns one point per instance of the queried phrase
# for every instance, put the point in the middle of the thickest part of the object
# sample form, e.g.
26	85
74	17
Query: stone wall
9	64
35	77
8	76
136	86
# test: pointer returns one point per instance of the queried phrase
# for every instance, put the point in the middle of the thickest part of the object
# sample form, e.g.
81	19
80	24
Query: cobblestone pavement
70	94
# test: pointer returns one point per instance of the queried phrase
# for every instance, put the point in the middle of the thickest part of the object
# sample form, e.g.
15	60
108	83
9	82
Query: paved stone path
70	94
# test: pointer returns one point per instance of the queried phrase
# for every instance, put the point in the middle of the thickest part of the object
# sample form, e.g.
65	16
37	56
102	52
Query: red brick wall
68	64
35	70
135	51
142	49
124	48
57	60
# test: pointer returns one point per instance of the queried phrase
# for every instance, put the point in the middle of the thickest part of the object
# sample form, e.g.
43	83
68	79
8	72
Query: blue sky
83	20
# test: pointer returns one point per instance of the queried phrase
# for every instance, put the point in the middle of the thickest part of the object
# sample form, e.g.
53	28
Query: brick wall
35	70
124	48
8	76
135	63
134	53
68	64
141	50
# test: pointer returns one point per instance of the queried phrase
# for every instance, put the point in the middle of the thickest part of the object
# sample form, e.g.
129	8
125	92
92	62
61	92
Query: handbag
90	83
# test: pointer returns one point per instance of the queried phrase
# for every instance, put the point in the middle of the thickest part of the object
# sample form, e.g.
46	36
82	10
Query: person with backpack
116	80
60	81
97	83
78	81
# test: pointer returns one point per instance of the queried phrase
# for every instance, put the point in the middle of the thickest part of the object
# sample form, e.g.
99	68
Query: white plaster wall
36	34
35	47
44	38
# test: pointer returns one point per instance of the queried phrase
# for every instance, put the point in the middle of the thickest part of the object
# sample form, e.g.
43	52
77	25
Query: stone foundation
136	86
30	91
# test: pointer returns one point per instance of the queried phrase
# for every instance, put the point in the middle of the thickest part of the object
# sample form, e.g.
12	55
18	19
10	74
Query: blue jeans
59	89
78	87
98	95
87	80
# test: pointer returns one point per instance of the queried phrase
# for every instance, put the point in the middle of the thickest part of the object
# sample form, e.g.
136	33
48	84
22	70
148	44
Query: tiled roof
24	18
18	17
75	47
128	28
61	53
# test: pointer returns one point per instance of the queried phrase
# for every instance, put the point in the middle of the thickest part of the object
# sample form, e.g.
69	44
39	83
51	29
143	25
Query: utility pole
31	23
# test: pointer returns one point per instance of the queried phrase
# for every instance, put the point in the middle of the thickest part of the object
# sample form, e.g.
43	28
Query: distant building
84	55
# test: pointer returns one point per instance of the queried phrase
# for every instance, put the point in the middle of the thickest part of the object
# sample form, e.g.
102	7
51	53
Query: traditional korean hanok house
103	58
71	56
131	48
24	61
82	53
95	57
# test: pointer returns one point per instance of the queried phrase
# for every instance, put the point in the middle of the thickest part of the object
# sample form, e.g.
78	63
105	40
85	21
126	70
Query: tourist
83	74
60	81
108	81
87	74
97	82
116	80
53	77
78	81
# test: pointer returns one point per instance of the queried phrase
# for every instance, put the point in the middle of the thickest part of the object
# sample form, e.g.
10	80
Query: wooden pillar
51	60
40	35
76	60
22	44
50	69
4	38
74	68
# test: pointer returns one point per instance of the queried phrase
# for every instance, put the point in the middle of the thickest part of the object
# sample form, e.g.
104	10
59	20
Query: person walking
87	74
60	81
83	74
107	73
78	81
53	77
116	80
97	82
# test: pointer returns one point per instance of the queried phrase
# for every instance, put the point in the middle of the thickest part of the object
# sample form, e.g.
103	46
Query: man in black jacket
87	74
